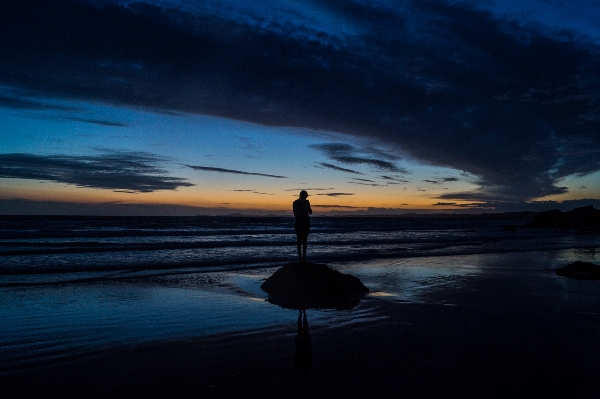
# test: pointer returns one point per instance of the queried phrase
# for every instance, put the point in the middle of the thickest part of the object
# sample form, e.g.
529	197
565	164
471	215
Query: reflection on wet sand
303	344
306	285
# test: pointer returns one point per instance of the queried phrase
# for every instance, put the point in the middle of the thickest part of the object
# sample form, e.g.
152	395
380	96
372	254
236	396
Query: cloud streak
101	122
335	194
28	104
339	169
442	181
252	191
133	172
232	171
337	206
310	189
393	179
367	184
350	155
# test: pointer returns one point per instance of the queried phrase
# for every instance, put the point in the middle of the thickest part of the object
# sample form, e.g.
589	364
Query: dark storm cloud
114	170
347	154
447	179
533	206
236	172
518	107
444	203
338	168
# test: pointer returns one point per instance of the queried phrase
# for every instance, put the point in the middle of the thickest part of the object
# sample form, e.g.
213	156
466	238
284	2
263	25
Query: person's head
303	194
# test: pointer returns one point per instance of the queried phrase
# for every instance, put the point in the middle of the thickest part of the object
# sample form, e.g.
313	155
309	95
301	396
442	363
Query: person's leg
304	243
299	245
305	322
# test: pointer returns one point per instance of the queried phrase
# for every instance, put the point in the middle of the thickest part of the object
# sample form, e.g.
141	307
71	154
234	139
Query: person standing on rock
302	212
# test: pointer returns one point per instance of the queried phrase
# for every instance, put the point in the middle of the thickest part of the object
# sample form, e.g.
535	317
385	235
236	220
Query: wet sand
489	326
415	351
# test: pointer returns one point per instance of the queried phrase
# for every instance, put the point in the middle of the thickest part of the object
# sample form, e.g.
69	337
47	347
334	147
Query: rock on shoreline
580	270
585	218
310	285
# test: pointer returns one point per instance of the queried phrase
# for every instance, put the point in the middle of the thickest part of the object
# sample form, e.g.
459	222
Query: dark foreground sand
404	350
476	326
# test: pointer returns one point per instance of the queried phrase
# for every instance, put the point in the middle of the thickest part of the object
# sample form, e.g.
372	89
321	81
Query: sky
179	107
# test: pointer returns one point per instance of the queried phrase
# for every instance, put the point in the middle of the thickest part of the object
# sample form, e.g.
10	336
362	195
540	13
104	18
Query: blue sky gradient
220	106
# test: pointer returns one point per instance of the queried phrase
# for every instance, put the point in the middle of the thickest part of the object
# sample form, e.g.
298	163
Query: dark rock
580	271
309	285
585	218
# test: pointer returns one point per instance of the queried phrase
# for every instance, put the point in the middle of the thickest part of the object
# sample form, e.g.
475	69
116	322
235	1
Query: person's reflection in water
303	345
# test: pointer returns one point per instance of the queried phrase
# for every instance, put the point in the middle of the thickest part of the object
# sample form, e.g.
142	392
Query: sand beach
482	325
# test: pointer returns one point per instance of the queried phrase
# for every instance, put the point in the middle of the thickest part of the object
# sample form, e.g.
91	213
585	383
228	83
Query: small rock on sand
580	271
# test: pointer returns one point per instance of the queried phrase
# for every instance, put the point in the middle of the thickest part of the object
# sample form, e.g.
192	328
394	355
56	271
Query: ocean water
44	245
76	286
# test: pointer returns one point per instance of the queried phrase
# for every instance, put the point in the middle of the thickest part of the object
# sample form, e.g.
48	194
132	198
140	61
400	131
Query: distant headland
586	218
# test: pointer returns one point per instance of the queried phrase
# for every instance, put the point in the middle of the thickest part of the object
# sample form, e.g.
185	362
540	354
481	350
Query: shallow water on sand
45	324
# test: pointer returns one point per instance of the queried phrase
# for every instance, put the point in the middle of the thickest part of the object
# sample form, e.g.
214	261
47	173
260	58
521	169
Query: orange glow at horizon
216	198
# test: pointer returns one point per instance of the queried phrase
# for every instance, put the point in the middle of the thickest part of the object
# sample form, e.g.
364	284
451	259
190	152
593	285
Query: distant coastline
424	215
20	207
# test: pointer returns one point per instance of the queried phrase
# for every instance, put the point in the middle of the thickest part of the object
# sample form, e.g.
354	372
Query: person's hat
303	194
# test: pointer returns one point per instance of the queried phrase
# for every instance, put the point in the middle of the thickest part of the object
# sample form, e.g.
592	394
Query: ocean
31	247
73	287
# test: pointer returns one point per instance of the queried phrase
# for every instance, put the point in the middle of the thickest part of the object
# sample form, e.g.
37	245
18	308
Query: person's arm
309	208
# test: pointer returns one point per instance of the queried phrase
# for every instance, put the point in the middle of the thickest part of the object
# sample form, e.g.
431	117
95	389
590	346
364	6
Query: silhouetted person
302	212
303	344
